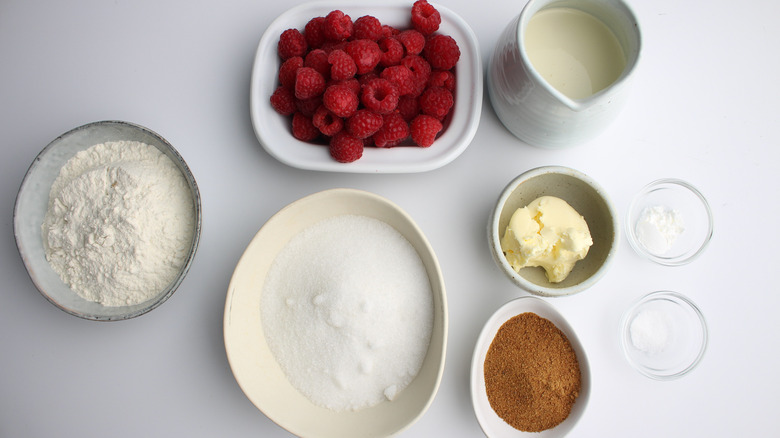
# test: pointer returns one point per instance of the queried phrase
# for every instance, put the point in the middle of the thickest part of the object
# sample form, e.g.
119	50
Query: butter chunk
548	233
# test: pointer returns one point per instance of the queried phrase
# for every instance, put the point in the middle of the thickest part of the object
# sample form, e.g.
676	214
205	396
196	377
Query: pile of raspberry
361	83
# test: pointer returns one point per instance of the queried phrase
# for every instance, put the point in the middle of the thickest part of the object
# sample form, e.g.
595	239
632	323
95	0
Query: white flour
119	224
658	228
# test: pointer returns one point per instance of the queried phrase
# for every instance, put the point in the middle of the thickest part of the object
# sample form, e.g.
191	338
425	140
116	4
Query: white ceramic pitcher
535	111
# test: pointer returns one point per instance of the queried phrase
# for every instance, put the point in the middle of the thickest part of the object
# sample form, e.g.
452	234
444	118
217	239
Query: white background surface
704	109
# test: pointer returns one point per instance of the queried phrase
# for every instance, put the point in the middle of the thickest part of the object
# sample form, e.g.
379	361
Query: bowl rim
678	298
495	238
166	293
450	144
233	326
660	259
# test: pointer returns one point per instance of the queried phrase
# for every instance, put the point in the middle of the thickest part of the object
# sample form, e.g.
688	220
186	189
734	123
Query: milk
573	51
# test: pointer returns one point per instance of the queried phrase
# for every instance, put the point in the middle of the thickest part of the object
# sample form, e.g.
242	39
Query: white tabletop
703	108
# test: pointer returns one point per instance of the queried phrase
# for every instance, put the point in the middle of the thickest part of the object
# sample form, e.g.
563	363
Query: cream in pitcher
559	73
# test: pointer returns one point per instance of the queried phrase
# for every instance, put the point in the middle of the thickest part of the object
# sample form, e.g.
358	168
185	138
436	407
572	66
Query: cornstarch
347	312
119	223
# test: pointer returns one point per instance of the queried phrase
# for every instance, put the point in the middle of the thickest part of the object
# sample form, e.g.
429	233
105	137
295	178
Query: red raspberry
318	60
412	40
308	83
338	26
424	129
352	83
340	100
345	148
388	31
368	77
364	123
442	78
408	107
329	46
425	18
328	123
303	129
366	54
287	71
367	27
441	51
379	95
436	102
291	43
421	70
313	32
392	51
394	130
342	66
401	76
283	101
307	107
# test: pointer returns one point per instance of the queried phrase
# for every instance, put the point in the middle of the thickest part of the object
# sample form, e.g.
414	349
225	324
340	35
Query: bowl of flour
335	320
107	221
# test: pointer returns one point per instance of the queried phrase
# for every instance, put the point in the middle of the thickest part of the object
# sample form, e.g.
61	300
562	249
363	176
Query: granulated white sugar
347	311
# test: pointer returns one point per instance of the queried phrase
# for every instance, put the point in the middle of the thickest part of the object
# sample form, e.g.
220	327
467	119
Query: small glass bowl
663	335
669	197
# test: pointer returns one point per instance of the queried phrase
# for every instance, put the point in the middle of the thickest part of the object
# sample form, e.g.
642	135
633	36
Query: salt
658	228
651	331
347	312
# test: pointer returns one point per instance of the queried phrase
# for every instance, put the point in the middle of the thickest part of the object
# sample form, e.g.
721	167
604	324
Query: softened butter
548	233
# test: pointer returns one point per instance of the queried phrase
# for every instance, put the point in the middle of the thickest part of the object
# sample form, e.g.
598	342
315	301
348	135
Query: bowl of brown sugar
529	345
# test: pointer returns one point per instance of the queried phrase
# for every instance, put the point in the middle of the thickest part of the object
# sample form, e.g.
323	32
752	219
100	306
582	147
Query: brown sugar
532	376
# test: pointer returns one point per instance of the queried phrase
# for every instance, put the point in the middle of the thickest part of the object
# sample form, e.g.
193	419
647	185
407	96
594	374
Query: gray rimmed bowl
32	203
584	195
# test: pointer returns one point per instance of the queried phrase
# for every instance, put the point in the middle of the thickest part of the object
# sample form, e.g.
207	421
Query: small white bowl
492	425
585	196
274	132
33	199
254	366
692	207
671	338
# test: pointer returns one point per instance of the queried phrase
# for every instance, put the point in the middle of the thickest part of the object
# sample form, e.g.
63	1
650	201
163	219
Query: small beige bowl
33	199
582	193
254	366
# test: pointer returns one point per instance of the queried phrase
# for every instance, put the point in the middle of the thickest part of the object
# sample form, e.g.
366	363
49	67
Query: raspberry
441	52
342	66
401	76
327	122
345	148
291	43
442	78
352	83
392	51
389	31
393	131
318	60
412	40
408	107
340	100
425	18
287	71
424	129
368	77
313	32
379	95
367	27
364	123
283	101
421	70
337	26
307	107
436	102
366	54
308	83
303	129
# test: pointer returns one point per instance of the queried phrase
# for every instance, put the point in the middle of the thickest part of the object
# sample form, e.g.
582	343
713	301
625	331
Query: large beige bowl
255	368
582	193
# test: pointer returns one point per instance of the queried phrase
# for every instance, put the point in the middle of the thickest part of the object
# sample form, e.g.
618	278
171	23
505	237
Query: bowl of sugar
335	320
669	222
107	221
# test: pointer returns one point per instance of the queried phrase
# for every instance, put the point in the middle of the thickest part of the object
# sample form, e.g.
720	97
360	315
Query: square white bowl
274	132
